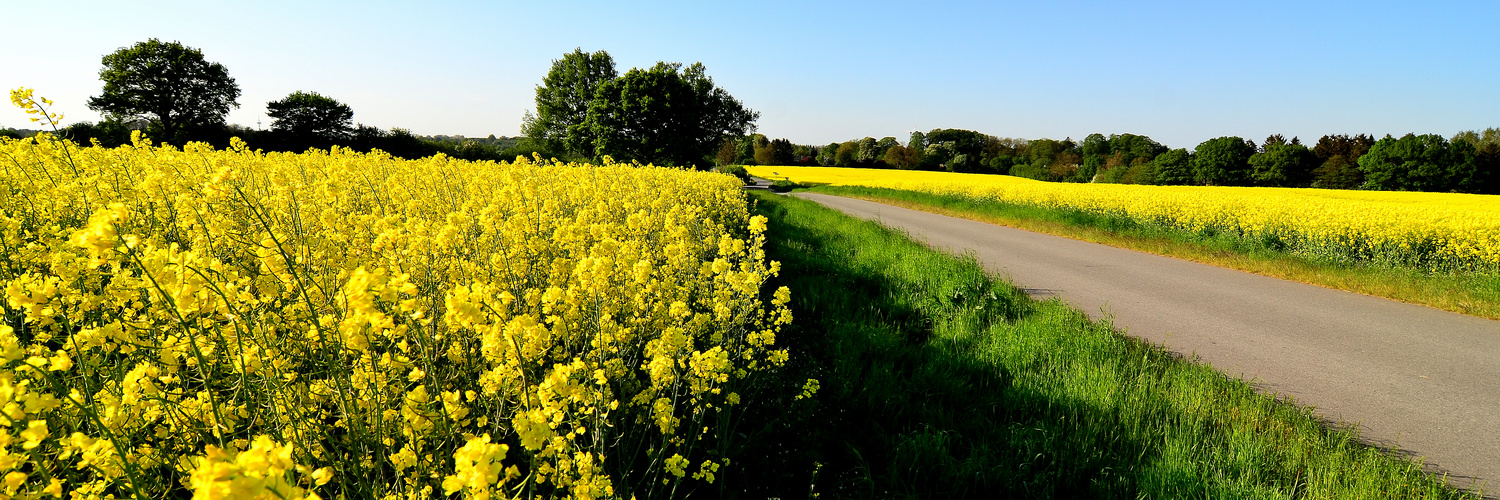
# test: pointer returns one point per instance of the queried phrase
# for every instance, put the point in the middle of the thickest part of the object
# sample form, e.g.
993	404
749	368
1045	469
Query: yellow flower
311	307
1440	231
35	432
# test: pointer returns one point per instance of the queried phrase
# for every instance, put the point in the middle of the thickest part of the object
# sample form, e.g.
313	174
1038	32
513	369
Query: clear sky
819	72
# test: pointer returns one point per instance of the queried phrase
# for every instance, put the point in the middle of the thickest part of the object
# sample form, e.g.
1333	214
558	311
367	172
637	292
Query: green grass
938	380
1476	294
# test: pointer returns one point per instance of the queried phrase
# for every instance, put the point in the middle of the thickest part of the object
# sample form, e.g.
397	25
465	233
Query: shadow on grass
938	381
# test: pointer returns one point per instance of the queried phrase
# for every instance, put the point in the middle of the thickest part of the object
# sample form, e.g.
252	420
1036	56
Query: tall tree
1132	146
1338	161
1282	164
868	152
762	147
562	102
844	154
1351	147
902	157
1272	139
1223	161
726	153
1042	152
167	83
827	156
312	114
1173	168
918	141
666	114
781	152
1476	161
1411	163
1094	145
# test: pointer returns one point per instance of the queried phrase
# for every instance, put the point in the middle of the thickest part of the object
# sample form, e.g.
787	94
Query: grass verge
1465	293
937	381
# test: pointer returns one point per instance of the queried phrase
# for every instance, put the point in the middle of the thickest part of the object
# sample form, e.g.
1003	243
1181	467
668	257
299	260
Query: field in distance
1436	249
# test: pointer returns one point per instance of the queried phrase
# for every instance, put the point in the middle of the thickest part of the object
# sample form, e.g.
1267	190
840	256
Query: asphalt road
1414	379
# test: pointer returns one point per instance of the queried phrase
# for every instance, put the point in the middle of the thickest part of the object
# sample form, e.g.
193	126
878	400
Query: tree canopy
1223	161
310	113
1283	164
666	114
169	84
1173	167
562	102
1410	163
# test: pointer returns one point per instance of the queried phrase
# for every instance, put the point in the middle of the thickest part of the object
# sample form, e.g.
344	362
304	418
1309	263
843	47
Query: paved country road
1415	379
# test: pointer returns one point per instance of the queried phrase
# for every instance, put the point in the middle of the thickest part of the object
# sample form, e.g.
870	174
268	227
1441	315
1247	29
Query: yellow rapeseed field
242	324
1441	231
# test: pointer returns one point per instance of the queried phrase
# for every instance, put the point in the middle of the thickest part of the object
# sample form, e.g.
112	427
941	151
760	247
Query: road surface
1417	380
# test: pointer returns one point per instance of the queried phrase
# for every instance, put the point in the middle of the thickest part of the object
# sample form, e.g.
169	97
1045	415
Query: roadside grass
938	380
1462	292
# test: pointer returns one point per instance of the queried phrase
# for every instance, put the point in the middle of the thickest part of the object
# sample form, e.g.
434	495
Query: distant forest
1468	162
396	141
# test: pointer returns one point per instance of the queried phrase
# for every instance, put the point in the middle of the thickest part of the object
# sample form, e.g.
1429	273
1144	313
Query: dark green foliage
1278	139
781	152
771	152
956	150
1042	151
1283	164
1108	172
827	156
1093	163
1223	161
1476	162
109	132
563	99
1174	168
783	185
1132	146
902	157
1001	164
310	114
170	84
1410	163
1338	172
844	154
1095	145
1338	159
398	142
667	114
1350	147
737	171
1033	170
1119	158
1140	171
803	154
918	141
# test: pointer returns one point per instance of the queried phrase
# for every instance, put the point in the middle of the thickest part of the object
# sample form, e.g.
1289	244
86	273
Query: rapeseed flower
242	324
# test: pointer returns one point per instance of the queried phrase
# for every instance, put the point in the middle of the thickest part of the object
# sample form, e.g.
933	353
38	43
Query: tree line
668	114
673	114
1468	162
171	94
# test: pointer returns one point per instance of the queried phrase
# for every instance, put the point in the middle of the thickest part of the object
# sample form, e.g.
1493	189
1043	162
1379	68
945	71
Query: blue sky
1180	72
